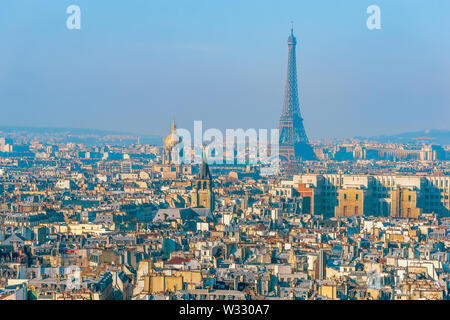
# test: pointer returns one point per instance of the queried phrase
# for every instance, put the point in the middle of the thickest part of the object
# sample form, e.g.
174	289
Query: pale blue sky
136	63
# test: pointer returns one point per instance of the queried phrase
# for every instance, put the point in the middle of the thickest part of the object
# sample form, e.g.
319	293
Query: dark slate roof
181	213
202	212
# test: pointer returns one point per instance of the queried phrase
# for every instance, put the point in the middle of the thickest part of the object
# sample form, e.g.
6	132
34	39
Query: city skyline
227	158
239	67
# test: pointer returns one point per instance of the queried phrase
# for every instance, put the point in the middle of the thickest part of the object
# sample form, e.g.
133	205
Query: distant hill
441	137
87	136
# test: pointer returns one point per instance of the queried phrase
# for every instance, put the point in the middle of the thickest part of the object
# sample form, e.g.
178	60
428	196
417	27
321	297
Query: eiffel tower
294	144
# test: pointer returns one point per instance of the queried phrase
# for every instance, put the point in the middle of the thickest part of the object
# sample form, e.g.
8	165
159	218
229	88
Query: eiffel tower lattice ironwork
294	143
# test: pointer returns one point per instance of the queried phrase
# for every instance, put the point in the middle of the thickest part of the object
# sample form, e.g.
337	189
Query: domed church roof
172	139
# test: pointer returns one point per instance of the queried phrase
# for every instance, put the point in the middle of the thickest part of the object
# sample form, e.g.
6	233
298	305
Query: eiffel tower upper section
294	143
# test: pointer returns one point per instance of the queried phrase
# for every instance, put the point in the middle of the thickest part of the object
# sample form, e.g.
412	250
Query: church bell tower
202	192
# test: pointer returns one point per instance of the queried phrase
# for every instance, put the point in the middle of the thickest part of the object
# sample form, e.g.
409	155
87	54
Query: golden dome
172	139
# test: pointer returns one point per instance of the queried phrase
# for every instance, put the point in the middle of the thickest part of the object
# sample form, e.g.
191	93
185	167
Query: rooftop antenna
292	27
